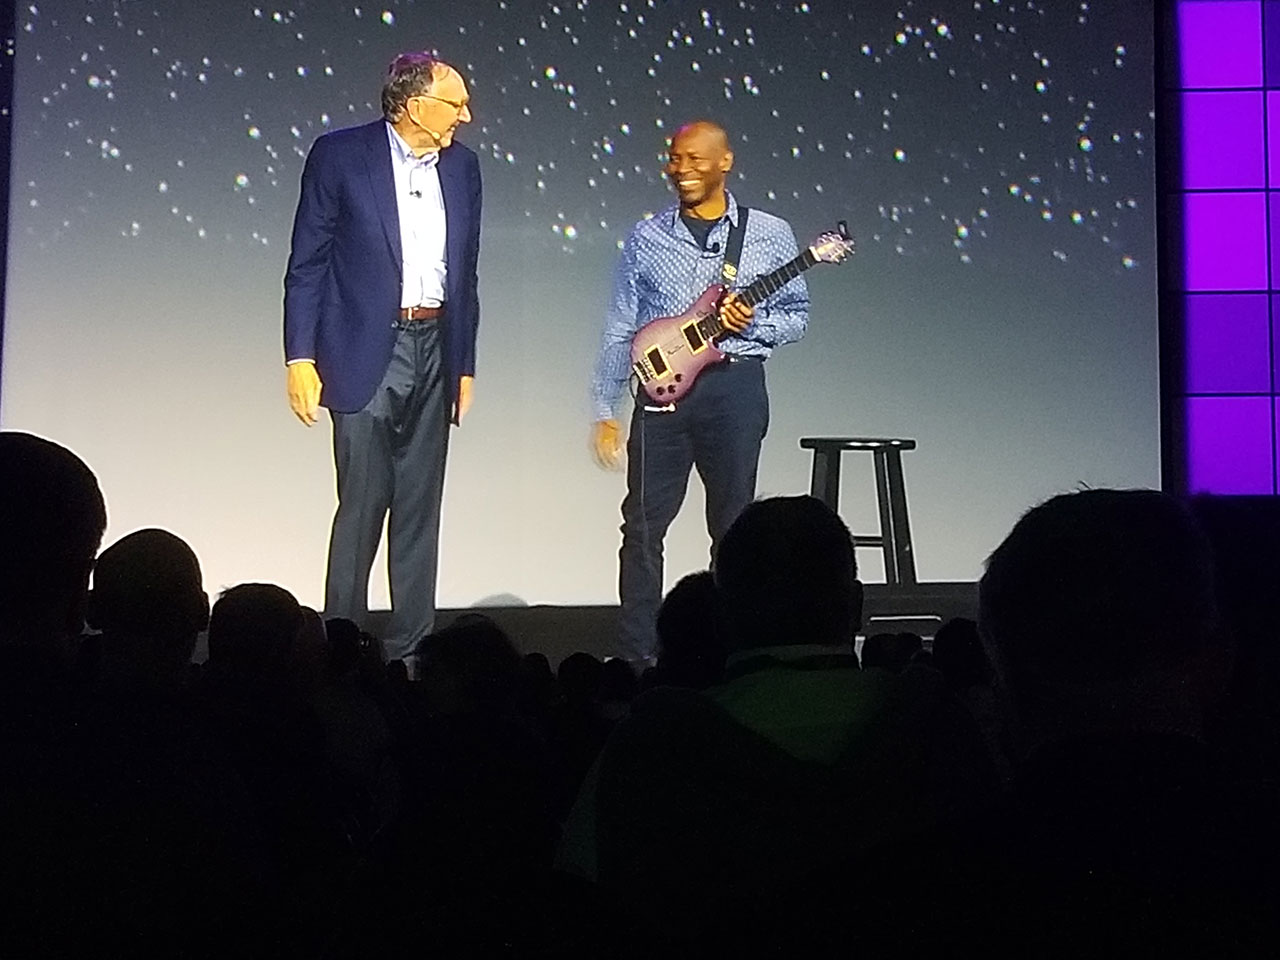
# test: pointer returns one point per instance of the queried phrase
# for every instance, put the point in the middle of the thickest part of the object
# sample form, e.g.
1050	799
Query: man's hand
464	397
304	391
606	443
734	314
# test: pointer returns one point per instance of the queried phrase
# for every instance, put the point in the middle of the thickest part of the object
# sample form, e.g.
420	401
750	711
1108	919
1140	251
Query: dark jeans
390	456
718	428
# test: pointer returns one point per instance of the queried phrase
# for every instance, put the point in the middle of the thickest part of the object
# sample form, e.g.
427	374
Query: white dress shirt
420	205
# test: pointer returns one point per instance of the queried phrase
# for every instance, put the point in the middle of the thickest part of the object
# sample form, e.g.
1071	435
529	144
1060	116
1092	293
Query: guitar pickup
656	363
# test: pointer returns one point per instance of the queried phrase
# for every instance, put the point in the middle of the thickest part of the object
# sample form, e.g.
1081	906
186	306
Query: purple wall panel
1230	123
1231	242
1227	343
1273	234
1271	42
1226	241
1220	43
1273	137
1230	439
1275	440
1275	339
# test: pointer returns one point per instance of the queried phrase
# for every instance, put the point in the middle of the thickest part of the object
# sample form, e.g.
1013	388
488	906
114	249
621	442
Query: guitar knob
679	378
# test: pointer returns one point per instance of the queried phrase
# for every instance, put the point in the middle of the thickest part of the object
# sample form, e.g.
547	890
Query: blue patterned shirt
663	270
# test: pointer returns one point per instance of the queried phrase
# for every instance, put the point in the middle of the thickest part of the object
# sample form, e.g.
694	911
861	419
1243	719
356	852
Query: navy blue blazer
342	286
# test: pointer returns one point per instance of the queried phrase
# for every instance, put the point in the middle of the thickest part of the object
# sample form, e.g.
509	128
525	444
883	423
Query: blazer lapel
382	180
455	209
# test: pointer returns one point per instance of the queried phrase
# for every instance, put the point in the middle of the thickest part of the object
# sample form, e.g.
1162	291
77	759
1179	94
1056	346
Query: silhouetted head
348	645
470	666
579	677
252	630
890	651
787	575
618	681
344	643
691	649
1102	595
148	595
958	654
52	517
538	668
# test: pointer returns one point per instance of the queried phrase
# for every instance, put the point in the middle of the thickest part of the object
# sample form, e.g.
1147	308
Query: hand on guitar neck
735	314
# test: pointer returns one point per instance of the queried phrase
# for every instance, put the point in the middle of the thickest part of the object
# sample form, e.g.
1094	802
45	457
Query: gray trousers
390	457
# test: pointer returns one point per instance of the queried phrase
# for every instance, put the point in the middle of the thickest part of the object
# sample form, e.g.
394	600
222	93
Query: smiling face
698	162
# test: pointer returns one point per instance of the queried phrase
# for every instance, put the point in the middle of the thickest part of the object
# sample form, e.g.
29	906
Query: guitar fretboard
775	280
710	326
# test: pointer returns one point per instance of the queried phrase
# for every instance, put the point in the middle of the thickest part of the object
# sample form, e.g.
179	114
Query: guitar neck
761	287
775	280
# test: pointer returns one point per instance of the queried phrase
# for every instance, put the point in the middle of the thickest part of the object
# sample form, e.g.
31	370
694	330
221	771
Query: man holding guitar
667	262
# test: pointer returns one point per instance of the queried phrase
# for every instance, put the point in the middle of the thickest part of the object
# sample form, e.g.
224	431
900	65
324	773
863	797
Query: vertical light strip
1231	237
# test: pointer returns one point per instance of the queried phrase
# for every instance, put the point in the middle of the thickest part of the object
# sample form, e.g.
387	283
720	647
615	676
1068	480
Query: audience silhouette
1090	767
705	809
691	645
149	604
1099	617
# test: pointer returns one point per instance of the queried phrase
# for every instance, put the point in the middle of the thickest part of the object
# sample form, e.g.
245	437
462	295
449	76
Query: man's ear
726	162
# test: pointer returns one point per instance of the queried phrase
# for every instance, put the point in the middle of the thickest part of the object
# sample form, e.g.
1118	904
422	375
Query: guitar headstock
833	246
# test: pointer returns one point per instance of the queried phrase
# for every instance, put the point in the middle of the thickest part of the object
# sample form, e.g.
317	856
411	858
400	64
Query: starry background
993	160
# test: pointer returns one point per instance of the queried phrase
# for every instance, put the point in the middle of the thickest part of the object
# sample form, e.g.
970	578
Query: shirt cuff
290	363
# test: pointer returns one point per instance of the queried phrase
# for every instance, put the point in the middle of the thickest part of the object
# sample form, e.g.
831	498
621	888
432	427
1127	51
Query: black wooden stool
894	538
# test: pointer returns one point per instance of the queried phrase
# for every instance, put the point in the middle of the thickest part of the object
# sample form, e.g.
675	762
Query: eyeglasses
458	105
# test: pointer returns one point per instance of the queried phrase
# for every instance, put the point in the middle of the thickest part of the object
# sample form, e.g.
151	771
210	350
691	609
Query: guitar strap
733	247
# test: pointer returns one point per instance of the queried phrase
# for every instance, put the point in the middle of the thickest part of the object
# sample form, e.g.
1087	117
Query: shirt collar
401	150
731	211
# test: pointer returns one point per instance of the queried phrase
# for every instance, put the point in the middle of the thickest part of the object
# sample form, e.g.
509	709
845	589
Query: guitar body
667	354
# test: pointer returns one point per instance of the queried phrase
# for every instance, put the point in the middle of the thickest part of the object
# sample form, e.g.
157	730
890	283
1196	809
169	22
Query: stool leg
824	482
898	513
886	519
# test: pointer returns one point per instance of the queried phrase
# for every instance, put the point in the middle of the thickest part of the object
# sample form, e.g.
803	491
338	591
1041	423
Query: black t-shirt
701	229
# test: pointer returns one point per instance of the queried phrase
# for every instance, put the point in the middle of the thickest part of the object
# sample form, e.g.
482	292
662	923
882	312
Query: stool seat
855	443
894	539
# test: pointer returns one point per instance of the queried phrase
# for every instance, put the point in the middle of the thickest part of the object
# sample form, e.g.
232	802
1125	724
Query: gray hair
409	75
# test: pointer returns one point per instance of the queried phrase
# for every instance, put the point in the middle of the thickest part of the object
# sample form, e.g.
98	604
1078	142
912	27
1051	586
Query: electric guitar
668	353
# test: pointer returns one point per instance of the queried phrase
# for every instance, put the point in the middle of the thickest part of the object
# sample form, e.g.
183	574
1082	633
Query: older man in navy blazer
380	315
